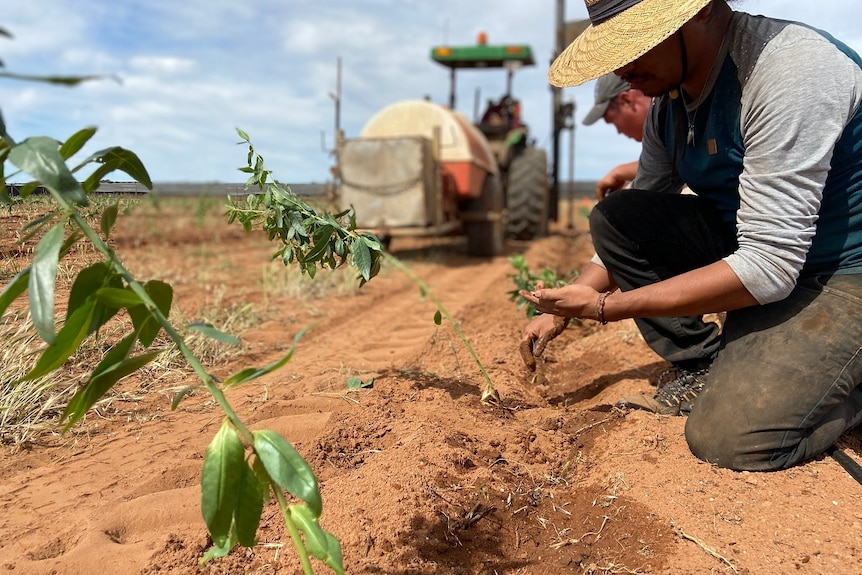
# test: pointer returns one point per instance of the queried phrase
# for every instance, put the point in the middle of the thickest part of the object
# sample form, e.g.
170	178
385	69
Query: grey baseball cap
608	87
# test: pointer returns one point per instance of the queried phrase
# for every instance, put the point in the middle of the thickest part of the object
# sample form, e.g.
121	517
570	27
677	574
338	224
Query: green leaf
321	243
145	323
219	551
371	241
75	142
181	394
115	355
117	158
262	476
335	560
43	275
5	198
320	543
28	189
357	383
224	465
249	507
40	157
71	335
209	331
287	468
109	218
111	374
117	297
33	227
14	289
63	80
362	259
438	318
297	225
94	180
249	374
89	281
113	367
73	238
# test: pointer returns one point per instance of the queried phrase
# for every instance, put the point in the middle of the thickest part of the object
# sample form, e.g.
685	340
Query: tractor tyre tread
527	195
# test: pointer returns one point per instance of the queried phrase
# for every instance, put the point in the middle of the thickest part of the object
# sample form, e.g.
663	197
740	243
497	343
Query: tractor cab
522	165
501	116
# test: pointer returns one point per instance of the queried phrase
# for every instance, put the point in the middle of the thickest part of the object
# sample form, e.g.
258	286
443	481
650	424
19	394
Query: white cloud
162	65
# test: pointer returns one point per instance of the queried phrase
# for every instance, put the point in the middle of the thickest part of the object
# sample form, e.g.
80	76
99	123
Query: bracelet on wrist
600	308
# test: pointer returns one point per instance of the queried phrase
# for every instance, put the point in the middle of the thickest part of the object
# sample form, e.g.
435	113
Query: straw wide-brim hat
621	39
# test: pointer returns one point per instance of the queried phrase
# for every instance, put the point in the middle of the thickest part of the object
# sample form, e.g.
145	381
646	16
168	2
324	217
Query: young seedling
526	280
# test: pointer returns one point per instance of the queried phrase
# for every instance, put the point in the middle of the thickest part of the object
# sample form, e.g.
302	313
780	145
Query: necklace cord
689	140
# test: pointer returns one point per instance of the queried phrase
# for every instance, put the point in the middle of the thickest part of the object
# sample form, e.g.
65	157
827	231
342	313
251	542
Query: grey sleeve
801	94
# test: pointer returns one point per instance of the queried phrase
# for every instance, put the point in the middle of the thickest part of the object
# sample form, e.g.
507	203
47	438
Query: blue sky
192	71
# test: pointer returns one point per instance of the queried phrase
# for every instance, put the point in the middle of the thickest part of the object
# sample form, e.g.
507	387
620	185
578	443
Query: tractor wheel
483	220
527	194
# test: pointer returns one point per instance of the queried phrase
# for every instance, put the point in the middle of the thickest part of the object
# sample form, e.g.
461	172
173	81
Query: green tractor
523	166
418	168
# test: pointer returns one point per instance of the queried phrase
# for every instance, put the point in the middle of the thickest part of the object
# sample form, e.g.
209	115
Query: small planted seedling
526	280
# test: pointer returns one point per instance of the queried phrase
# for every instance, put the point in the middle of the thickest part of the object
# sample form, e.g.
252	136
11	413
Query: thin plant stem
292	530
490	393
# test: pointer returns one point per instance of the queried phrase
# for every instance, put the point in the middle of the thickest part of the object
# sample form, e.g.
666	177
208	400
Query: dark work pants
784	383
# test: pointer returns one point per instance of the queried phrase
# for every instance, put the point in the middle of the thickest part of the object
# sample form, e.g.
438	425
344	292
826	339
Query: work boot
675	394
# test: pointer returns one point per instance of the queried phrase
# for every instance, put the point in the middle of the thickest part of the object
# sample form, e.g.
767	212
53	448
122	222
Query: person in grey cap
618	104
762	119
607	88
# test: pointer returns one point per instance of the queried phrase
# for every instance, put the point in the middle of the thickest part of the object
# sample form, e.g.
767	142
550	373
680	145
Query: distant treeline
183	189
580	189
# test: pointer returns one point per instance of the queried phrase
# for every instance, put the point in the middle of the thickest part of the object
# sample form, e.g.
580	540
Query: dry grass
29	408
287	281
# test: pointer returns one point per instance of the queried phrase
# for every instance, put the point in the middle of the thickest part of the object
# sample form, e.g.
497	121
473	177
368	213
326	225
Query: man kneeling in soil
761	118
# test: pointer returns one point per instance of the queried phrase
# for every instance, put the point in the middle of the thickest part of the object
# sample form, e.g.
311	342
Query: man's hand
575	300
617	179
539	332
558	306
609	183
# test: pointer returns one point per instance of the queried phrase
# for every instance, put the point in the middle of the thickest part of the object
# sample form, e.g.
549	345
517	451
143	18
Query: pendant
690	139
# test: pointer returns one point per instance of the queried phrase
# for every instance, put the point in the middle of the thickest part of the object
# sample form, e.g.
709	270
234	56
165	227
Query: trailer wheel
527	194
482	218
